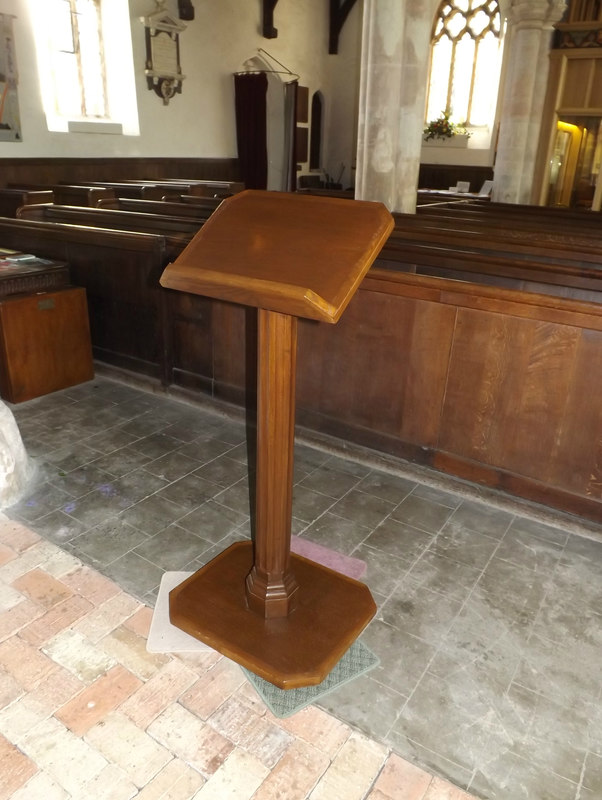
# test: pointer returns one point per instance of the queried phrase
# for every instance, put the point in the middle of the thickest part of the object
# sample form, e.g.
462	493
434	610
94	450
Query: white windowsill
85	126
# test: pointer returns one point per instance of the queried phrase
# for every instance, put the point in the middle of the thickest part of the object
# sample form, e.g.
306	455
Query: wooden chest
44	343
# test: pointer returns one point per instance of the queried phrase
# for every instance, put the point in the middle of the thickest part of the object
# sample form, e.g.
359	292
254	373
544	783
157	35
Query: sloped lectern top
302	255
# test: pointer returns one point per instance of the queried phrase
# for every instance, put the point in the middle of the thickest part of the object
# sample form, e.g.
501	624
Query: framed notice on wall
10	121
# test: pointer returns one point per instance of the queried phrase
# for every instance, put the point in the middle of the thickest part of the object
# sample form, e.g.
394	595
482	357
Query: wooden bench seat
201	210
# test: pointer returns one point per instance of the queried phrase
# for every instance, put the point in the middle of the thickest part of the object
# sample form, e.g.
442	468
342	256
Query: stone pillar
530	31
394	69
15	468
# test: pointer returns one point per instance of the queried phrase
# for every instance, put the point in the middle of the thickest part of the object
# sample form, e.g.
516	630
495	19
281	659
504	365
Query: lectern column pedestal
281	616
271	586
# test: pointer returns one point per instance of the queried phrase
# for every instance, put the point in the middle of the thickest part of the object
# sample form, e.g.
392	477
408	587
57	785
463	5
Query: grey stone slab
328	481
399	539
67	459
205	451
508	776
136	485
96	506
338	533
421	513
224	471
120	462
540	530
592	774
468	547
81	481
437	573
172	548
387	486
111	440
108	541
152	514
144	425
308	504
567	672
189	492
348	465
39	501
437	495
156	445
420	612
561	619
457	721
482	518
213	521
237	497
518	587
366	509
384	571
529	551
58	527
134	574
403	659
171	466
366	704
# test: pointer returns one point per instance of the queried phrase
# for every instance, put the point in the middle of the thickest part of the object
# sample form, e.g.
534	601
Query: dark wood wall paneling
47	171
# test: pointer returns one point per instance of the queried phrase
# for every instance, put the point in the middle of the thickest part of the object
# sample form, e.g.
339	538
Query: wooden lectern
281	616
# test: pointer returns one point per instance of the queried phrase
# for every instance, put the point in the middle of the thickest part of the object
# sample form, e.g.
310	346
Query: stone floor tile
121	742
112	783
421	513
97	700
106	617
400	780
191	739
295	775
482	518
16	535
40	787
18	617
10	690
353	770
16	770
55	690
128	648
108	541
69	760
6	554
213	688
25	663
91	585
140	622
9	597
135	574
42	588
318	728
236	779
442	790
240	723
80	656
387	486
365	509
145	704
176	781
56	620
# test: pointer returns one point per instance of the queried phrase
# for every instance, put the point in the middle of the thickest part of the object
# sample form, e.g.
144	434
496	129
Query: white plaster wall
200	123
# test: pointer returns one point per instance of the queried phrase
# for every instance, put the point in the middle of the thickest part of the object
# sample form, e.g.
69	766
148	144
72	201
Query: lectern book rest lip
281	616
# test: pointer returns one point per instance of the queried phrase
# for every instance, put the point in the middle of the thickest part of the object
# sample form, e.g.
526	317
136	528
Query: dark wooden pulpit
281	616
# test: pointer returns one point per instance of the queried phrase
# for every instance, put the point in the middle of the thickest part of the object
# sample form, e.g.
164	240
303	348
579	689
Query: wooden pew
177	230
76	195
201	210
120	272
12	198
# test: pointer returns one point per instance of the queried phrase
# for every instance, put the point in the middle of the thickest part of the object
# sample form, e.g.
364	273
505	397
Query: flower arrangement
443	128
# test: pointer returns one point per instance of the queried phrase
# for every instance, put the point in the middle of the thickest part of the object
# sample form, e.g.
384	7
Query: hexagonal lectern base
294	651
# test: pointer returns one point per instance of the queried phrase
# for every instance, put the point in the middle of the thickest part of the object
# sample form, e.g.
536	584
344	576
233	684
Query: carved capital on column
535	13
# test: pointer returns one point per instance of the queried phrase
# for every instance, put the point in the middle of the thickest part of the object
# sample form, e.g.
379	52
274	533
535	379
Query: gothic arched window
465	61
